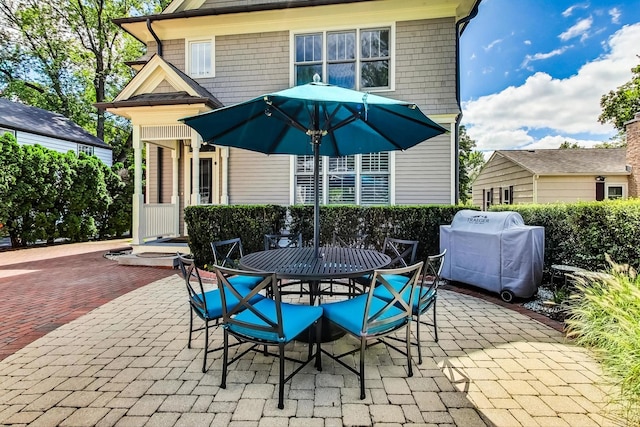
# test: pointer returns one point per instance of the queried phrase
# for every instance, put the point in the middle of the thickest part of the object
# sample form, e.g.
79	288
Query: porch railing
160	220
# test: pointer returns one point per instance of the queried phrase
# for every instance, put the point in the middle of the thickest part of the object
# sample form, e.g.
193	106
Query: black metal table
300	264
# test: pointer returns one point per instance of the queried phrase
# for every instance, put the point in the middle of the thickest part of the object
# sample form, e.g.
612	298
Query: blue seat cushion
214	301
383	293
295	319
349	315
249	282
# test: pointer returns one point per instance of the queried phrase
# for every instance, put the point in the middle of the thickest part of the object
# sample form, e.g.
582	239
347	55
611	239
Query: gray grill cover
494	251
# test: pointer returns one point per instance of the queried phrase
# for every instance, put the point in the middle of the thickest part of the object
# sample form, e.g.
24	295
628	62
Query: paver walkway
126	363
43	288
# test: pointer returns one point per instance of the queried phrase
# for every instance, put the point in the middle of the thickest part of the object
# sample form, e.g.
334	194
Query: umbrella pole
316	193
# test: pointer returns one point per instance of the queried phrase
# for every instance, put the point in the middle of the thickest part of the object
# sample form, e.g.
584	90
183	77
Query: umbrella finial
316	78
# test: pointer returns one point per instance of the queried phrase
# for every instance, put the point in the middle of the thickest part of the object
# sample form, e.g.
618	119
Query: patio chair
357	241
282	241
402	253
207	305
227	253
267	322
424	298
367	317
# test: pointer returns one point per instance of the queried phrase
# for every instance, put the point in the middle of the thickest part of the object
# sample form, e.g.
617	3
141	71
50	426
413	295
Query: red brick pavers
44	288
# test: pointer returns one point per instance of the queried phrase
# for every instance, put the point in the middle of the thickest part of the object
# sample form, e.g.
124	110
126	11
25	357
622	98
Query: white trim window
200	54
354	59
361	179
5	130
86	149
615	191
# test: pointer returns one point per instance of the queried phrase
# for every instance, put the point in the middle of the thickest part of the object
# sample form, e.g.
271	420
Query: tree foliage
471	161
567	145
621	105
46	195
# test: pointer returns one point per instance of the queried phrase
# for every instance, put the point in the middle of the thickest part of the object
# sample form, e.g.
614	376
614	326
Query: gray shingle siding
425	64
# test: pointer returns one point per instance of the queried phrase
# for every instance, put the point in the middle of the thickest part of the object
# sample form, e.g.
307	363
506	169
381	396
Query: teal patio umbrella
316	119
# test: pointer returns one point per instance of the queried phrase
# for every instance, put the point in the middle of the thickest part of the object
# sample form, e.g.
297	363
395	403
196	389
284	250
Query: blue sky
533	71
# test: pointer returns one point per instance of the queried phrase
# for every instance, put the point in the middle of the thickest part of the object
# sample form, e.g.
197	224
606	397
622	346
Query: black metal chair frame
269	286
197	304
374	320
346	241
275	241
227	253
428	291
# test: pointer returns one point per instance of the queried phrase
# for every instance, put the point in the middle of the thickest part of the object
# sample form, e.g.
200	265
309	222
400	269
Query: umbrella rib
233	128
390	141
411	119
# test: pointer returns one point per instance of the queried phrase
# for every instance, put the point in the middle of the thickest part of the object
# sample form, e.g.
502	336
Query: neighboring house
203	54
31	125
548	176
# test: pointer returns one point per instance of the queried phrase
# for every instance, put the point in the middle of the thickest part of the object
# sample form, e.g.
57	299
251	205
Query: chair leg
318	344
418	338
281	386
190	326
435	325
225	359
206	346
409	362
363	347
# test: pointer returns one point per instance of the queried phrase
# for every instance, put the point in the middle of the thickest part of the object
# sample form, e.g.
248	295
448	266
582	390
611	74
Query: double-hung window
86	149
354	59
200	58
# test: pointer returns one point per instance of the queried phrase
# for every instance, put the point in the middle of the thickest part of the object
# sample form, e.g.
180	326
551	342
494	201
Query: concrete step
149	259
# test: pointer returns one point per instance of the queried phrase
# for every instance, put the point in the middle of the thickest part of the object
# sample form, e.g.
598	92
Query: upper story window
86	149
353	59
200	58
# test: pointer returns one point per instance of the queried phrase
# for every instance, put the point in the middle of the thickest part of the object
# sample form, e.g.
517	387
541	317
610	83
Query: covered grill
494	251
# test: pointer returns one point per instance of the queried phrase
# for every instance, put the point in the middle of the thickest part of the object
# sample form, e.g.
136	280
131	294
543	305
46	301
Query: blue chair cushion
295	318
383	293
214	301
349	315
249	282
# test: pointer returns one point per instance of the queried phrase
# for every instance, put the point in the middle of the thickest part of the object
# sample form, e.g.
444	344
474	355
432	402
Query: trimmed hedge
251	222
582	233
206	224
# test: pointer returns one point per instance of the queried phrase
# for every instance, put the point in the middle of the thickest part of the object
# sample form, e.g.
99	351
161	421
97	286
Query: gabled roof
139	91
600	161
24	118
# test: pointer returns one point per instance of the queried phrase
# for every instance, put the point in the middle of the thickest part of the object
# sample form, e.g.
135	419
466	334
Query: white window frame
89	150
359	61
5	130
617	185
189	56
324	180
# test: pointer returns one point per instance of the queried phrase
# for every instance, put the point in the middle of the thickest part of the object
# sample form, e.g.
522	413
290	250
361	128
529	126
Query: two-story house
204	54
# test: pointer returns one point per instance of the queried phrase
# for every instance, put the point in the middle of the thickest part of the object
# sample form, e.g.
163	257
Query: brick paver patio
126	363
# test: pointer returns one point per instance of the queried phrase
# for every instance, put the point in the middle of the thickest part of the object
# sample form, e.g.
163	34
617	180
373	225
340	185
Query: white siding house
31	126
205	54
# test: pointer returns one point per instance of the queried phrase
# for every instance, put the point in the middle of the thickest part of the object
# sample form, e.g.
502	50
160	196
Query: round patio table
300	264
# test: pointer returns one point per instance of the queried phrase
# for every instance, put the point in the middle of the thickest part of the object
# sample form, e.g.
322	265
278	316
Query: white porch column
224	184
175	195
195	169
137	222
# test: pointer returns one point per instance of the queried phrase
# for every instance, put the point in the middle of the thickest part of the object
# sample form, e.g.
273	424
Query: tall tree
471	161
621	105
566	145
65	55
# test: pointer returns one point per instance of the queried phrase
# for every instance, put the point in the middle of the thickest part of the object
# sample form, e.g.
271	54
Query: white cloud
615	15
566	107
527	42
492	44
569	11
581	28
541	56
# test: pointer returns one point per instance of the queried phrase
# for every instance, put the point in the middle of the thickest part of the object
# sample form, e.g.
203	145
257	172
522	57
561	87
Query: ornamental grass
604	315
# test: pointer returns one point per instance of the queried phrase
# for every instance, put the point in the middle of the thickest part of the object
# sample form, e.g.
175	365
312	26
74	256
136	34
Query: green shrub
604	315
